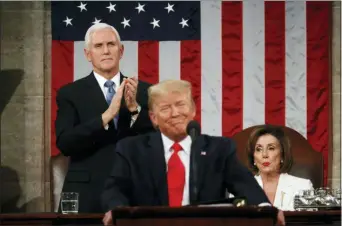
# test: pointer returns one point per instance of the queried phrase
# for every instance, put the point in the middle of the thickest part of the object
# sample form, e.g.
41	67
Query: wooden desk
332	217
199	216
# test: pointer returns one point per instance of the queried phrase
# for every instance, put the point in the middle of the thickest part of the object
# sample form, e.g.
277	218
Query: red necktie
175	177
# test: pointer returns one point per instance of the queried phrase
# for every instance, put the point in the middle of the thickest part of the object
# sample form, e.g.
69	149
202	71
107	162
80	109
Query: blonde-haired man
156	169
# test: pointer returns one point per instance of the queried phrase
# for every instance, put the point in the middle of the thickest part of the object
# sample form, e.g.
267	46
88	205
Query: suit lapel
283	192
157	165
95	94
124	115
199	154
258	179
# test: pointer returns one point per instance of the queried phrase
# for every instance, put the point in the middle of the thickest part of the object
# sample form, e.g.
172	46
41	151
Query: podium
295	218
199	216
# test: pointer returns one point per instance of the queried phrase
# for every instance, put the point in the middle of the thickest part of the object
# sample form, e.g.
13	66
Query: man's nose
174	111
105	49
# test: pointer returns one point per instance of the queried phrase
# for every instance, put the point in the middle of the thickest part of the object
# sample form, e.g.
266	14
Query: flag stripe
211	65
191	70
232	68
250	62
82	67
254	63
62	63
275	63
318	87
148	61
169	60
129	60
296	66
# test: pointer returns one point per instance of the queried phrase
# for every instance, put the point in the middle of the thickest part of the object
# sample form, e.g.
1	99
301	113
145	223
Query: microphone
193	129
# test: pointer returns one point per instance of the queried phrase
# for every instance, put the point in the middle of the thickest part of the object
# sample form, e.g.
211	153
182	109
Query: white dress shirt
102	80
184	156
116	79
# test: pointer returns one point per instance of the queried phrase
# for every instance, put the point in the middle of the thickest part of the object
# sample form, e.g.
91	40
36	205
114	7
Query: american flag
250	62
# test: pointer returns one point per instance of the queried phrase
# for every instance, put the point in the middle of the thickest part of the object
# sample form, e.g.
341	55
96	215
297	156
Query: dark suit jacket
138	177
80	135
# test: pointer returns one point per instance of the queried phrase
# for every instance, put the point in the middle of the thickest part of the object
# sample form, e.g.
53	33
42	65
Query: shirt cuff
134	117
106	127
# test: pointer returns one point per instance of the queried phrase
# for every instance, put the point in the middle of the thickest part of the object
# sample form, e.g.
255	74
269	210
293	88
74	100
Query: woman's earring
254	164
281	161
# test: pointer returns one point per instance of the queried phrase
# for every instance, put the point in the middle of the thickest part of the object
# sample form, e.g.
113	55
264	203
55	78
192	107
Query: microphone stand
193	153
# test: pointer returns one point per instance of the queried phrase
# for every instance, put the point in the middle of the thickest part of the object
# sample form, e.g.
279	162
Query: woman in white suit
269	153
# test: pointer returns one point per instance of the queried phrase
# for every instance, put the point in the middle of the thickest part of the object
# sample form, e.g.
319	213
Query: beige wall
25	55
335	180
25	100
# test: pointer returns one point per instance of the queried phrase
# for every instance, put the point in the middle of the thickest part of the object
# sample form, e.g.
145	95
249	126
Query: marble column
25	173
335	158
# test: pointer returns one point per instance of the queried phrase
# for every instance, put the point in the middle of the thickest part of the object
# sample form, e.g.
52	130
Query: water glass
69	202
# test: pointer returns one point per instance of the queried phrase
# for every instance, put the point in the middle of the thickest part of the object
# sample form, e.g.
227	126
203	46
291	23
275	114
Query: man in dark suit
94	113
156	169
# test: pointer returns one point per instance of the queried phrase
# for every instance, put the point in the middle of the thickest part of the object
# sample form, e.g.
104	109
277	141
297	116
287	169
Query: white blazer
288	186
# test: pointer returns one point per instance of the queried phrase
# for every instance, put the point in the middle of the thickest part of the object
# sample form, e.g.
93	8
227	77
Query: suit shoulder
223	145
132	139
144	85
128	143
219	139
72	86
298	180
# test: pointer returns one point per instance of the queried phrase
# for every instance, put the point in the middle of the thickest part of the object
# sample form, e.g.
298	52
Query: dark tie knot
109	84
176	147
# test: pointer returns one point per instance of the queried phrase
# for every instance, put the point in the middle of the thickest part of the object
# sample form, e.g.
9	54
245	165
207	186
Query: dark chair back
307	163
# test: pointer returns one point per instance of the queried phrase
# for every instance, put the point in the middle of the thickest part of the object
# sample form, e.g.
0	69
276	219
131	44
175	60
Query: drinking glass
69	202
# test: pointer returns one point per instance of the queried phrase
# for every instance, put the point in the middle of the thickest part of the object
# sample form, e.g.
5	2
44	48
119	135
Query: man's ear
87	54
122	49
193	108
153	119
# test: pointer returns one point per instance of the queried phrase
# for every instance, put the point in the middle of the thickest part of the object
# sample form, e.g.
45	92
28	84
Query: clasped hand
128	88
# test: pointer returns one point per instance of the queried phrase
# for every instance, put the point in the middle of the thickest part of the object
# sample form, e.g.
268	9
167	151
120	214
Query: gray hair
96	27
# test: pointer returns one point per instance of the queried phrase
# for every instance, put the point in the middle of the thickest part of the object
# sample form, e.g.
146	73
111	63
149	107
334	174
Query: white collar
185	143
101	80
259	180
